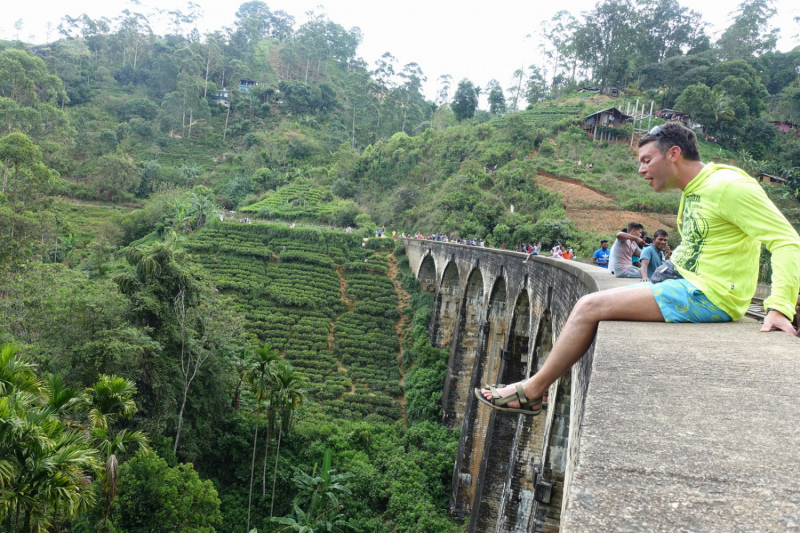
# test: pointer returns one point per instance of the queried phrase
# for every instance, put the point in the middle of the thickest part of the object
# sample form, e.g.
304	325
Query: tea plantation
321	298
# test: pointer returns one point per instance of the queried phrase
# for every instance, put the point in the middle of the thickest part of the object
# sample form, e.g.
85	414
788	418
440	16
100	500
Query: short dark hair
604	240
634	225
673	134
660	232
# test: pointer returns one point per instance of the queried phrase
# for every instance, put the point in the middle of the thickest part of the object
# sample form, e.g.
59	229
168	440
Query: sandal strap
501	400
527	402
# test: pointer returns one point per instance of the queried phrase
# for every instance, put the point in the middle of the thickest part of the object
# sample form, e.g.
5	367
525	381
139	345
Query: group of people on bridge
634	254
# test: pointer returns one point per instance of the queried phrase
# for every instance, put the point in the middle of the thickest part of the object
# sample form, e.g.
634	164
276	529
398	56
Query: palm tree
68	243
45	466
16	373
60	398
260	375
319	491
109	399
721	103
158	277
202	206
288	395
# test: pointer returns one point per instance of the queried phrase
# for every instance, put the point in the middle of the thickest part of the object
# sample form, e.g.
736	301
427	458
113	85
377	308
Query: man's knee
589	307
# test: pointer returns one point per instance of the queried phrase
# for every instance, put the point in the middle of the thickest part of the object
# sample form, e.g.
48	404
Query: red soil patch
575	195
605	221
591	210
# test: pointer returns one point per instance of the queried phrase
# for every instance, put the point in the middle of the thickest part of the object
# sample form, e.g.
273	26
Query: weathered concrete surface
689	427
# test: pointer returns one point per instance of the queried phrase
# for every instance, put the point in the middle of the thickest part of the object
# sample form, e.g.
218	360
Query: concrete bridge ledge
689	427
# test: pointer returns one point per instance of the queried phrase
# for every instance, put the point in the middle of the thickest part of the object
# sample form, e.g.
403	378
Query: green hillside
192	367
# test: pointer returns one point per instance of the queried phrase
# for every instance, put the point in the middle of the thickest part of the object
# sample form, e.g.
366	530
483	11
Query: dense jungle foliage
190	339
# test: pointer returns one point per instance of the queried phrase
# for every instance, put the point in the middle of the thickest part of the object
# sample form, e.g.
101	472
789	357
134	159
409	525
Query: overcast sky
465	39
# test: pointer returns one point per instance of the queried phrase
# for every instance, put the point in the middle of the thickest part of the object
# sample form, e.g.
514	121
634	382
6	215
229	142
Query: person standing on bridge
723	218
600	257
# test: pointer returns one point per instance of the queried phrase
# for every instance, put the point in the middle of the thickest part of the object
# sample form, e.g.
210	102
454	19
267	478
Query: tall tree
497	100
667	29
602	42
260	376
559	33
445	81
750	34
535	85
110	399
287	395
465	100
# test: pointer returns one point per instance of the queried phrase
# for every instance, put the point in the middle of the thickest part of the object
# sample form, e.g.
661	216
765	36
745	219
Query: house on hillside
221	98
786	126
613	91
683	118
245	84
771	179
601	124
671	114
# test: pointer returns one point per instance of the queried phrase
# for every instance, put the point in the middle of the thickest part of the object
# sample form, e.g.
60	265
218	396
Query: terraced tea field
327	303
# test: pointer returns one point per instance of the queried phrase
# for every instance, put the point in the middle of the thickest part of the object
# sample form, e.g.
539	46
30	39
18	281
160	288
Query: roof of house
791	124
774	178
624	116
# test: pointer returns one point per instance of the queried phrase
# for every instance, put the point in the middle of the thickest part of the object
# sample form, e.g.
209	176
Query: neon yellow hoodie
723	217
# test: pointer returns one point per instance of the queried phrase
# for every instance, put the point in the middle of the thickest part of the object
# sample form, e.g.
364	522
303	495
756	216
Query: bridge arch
499	446
464	350
477	416
446	306
427	274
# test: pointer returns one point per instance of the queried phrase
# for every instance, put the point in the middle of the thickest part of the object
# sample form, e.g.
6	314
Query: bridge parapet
628	450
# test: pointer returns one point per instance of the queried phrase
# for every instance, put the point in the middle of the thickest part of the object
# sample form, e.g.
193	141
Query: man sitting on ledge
724	216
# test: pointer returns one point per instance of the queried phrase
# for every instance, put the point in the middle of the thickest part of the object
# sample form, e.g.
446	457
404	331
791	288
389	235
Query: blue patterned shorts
680	301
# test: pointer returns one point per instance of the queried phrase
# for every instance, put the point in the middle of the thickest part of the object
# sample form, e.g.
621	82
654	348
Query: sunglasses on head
658	131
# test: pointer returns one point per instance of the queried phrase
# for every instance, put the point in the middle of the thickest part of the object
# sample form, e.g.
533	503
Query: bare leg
636	304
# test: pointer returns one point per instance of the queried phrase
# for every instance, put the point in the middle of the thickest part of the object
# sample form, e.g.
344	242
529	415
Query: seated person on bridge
628	243
654	255
723	218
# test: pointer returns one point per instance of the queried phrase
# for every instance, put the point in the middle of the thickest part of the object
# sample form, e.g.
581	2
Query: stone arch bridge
594	460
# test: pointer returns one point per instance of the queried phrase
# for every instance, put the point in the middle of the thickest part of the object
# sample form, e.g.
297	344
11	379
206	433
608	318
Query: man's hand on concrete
776	321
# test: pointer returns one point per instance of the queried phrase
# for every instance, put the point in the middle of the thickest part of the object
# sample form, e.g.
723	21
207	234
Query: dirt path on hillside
343	288
331	338
591	210
401	328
